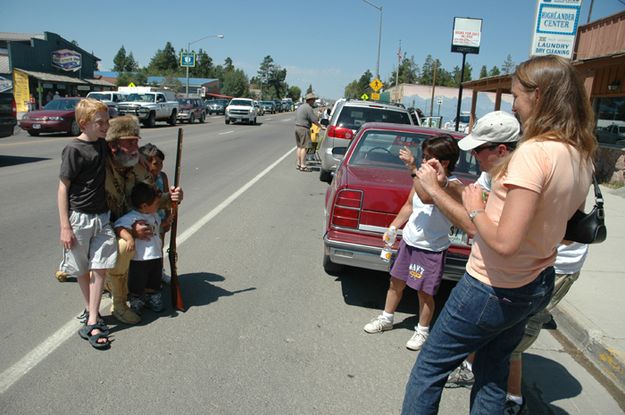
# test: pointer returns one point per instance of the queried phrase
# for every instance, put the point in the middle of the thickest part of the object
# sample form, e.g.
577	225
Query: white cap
494	127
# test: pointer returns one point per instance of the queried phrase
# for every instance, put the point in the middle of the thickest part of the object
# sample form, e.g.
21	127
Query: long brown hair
562	111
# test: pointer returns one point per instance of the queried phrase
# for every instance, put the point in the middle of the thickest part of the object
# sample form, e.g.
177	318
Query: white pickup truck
241	109
150	106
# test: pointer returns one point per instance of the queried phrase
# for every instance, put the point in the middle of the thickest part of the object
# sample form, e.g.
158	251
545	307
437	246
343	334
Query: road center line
226	132
35	356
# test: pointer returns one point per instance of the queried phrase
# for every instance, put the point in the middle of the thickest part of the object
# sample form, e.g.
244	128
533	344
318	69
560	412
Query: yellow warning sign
364	97
375	96
376	84
131	85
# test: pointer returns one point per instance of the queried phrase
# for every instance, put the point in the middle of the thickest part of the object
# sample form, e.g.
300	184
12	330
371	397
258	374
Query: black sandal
85	333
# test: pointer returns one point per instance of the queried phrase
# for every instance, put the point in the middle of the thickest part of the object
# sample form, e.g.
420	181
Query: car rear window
380	148
354	117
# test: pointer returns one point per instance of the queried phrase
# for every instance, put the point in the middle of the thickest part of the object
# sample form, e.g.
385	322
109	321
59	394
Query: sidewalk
592	314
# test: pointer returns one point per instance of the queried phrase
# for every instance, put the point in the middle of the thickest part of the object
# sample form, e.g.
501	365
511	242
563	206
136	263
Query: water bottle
388	238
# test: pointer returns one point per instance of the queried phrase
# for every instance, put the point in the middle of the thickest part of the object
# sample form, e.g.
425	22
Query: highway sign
187	59
364	97
376	84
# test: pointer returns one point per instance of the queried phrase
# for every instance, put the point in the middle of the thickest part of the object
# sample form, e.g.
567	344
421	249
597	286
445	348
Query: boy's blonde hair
87	108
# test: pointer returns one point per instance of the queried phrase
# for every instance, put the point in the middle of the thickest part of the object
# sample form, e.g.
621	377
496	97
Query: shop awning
100	82
49	77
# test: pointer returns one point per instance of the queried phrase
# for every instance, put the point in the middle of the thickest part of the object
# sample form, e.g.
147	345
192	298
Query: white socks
388	316
514	398
423	329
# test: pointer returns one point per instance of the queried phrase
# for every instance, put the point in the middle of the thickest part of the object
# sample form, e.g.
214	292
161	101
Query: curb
591	341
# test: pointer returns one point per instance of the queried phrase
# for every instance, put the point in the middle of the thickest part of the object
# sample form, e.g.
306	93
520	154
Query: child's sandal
85	333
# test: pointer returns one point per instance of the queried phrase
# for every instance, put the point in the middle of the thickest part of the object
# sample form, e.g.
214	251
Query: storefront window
610	113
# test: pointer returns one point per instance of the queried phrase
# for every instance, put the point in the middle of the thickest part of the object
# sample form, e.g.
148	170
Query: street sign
375	96
376	84
131	85
439	100
364	97
187	59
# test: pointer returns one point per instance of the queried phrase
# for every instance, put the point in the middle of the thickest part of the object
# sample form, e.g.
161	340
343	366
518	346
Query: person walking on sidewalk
304	118
509	274
421	256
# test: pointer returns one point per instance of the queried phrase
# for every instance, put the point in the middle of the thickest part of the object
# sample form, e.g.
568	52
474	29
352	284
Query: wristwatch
474	213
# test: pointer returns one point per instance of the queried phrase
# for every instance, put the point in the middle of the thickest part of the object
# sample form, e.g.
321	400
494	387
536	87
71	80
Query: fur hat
125	126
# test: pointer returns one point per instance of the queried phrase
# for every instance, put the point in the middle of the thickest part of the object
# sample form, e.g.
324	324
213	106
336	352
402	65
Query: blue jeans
476	317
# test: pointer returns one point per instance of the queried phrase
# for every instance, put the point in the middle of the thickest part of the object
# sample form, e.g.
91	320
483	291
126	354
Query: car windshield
141	97
241	102
354	117
266	102
380	148
101	97
185	101
465	119
61	104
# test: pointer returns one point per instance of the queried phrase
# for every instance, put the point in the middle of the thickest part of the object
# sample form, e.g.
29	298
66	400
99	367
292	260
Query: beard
125	160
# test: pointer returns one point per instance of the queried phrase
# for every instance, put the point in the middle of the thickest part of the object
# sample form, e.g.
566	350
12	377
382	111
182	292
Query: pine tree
483	72
119	61
508	66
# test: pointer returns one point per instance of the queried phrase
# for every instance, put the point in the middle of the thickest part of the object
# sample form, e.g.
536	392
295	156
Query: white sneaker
417	340
378	325
462	376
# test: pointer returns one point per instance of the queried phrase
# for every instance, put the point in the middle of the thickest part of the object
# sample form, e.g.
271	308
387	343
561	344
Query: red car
369	188
57	116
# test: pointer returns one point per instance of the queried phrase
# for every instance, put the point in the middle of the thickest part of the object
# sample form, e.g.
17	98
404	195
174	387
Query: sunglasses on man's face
479	149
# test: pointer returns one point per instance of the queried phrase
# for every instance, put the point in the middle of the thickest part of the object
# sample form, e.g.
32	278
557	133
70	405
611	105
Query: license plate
36	126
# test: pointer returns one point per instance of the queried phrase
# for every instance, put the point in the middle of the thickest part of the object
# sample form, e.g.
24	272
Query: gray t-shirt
83	164
305	116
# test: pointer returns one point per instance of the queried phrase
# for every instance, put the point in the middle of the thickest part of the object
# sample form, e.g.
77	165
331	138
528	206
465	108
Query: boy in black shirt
89	243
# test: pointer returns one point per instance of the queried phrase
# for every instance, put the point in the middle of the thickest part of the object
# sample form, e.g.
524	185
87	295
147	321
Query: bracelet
474	213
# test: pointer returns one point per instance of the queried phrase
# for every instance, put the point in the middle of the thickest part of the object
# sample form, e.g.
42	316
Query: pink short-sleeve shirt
562	177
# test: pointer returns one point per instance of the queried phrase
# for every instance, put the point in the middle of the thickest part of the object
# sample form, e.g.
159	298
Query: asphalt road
266	330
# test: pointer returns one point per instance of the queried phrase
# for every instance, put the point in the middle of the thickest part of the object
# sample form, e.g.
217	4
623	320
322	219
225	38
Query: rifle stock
176	293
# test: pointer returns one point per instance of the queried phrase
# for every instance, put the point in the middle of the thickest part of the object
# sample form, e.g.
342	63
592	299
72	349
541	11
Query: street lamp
188	47
379	8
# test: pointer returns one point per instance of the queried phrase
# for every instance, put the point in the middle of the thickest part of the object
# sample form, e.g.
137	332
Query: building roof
100	82
49	77
20	37
183	80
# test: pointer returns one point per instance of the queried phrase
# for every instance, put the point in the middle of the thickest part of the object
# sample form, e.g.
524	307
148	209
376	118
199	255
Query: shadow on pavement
198	291
6	161
367	289
546	381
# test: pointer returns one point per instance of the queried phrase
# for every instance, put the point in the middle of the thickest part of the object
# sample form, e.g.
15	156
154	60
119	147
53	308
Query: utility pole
434	70
397	72
377	66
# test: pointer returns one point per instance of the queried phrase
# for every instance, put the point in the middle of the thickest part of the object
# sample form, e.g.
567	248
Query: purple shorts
422	270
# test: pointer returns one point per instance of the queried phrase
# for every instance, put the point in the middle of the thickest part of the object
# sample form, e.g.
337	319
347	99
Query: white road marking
226	132
39	353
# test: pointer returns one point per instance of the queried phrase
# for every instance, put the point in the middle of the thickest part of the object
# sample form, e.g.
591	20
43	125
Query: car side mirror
325	122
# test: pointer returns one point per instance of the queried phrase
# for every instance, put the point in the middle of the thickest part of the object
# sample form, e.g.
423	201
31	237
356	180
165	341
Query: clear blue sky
324	43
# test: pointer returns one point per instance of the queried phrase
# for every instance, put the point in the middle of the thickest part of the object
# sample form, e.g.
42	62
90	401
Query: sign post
467	33
555	27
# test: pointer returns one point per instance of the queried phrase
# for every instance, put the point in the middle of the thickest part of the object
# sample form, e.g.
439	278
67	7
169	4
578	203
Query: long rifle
176	294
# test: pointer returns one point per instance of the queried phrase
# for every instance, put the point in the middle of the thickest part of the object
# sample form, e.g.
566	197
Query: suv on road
8	114
191	109
151	106
241	109
217	106
347	117
110	98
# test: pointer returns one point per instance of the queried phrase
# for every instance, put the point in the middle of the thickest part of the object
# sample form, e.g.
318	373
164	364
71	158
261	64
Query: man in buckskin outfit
123	170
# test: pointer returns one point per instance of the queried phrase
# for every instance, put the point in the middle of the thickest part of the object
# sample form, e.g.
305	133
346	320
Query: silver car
347	117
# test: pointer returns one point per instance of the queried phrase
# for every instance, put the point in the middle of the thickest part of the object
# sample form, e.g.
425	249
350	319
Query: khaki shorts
562	285
302	137
95	247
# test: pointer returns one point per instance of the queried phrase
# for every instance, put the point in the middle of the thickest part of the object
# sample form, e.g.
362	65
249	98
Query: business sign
5	84
21	90
187	59
467	35
555	27
67	60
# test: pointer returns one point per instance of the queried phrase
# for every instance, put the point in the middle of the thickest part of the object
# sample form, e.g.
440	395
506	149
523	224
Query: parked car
278	105
8	114
150	104
56	116
111	99
268	106
241	109
191	109
370	187
463	125
347	117
217	106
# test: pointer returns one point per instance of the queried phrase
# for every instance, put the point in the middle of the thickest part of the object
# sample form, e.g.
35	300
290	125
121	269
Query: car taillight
340	132
347	206
13	108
